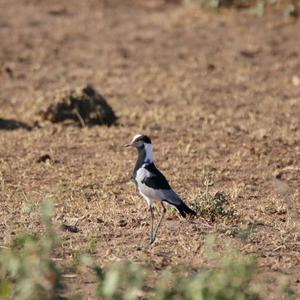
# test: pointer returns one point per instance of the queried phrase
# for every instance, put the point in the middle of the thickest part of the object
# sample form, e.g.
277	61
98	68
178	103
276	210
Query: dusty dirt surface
219	94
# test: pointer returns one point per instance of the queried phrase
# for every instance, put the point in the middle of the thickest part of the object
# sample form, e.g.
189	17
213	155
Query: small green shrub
211	206
231	281
26	268
122	281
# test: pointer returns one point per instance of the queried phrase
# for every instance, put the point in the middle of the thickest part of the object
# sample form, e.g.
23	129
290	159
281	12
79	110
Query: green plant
122	281
286	290
211	206
26	268
232	281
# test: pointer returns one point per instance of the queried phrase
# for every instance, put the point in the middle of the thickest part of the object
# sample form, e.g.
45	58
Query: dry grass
218	94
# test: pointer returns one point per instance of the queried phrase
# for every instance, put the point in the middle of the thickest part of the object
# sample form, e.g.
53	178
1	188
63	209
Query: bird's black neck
140	160
144	157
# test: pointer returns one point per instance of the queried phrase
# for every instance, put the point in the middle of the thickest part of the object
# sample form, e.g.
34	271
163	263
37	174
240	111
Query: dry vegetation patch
83	106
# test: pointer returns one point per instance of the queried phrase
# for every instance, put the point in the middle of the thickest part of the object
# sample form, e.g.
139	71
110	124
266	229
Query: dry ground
219	94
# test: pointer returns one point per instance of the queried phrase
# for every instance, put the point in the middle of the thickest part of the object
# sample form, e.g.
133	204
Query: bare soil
219	94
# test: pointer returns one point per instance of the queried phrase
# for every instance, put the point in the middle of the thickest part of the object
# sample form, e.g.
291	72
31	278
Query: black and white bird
152	184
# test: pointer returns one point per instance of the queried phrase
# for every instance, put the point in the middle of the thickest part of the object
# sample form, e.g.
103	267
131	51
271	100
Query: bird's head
139	141
144	147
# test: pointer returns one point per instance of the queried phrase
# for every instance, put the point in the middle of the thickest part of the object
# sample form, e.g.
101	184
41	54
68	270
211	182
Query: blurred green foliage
288	8
230	281
124	280
28	272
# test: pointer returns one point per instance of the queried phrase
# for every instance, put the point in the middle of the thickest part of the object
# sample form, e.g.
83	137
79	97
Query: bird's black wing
156	180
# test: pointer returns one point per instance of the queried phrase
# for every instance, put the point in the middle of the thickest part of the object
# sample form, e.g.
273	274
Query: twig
79	118
4	247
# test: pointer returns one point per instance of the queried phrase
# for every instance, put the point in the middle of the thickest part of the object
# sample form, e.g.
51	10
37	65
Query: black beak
127	145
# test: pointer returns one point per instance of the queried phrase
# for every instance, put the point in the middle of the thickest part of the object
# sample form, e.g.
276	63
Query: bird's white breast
140	175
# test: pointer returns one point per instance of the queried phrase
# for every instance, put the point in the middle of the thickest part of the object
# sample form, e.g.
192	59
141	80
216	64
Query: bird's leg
159	223
152	219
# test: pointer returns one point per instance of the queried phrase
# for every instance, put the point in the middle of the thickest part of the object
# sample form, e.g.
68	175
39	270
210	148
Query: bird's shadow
9	124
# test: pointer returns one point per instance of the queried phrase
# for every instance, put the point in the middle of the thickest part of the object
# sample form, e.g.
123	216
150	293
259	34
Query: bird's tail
184	209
